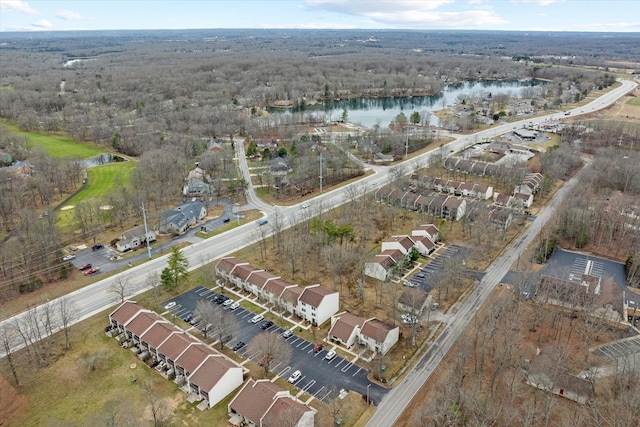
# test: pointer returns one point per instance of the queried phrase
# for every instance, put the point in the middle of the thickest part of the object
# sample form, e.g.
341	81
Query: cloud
16	6
42	24
411	13
538	2
69	15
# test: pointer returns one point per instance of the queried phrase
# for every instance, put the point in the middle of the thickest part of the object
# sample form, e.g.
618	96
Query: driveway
319	377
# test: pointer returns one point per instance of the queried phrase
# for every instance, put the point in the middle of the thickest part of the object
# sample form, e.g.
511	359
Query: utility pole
320	173
146	230
406	145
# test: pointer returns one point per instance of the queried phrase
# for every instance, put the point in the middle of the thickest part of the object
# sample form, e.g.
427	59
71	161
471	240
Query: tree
252	149
176	269
345	114
67	314
8	335
206	311
120	287
271	349
223	327
415	117
159	409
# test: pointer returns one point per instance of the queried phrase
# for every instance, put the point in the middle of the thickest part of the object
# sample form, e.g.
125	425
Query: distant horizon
592	16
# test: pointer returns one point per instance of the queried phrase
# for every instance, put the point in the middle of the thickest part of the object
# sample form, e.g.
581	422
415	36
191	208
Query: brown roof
158	333
426	242
244	271
376	329
260	278
522	196
228	264
194	356
414	298
344	325
175	345
143	321
453	203
254	400
285	408
292	294
384	260
395	254
429	228
125	312
276	287
404	241
212	370
502	198
313	295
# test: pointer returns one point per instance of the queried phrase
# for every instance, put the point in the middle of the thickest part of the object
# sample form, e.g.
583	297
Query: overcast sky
528	15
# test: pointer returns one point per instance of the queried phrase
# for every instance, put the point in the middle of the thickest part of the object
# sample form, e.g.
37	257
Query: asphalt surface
320	378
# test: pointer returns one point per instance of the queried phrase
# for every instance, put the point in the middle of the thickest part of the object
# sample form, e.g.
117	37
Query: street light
368	385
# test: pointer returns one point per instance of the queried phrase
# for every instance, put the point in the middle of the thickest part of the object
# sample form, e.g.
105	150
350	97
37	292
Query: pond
102	159
382	111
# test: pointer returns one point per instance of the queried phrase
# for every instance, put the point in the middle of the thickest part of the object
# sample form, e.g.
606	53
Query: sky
525	15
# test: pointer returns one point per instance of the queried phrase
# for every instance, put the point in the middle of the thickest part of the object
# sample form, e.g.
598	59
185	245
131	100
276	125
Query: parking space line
309	384
346	367
340	363
316	393
286	369
357	372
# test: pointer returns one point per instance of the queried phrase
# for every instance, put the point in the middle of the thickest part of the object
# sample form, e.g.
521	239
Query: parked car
266	325
194	321
238	346
234	306
287	334
85	267
226	220
221	299
295	377
188	317
92	270
407	319
228	302
170	305
68	257
262	222
257	318
97	246
330	355
317	348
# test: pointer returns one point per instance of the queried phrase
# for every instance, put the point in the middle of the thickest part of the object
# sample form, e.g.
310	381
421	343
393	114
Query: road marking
340	363
357	372
346	367
286	369
316	393
309	384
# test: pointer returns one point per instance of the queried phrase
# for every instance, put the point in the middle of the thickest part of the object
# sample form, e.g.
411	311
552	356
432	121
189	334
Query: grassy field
56	145
633	101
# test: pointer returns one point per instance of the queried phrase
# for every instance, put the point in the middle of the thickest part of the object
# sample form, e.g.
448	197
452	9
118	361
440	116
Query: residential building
345	328
379	336
317	304
400	243
135	238
381	267
429	230
179	220
414	301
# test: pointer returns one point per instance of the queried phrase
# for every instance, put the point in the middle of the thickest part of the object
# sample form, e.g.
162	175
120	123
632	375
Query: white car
305	205
228	302
295	377
68	257
330	355
234	306
170	305
257	318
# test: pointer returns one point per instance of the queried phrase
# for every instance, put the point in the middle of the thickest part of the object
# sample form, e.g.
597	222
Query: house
414	301
273	292
262	403
279	166
381	266
345	328
241	274
256	282
428	230
378	336
317	304
501	199
482	191
424	245
523	200
181	218
382	158
204	372
401	243
226	266
544	373
454	208
134	238
197	187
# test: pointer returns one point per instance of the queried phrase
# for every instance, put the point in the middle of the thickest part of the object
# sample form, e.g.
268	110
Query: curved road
96	298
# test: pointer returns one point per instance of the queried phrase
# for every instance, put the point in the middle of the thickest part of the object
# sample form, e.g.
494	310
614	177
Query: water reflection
102	159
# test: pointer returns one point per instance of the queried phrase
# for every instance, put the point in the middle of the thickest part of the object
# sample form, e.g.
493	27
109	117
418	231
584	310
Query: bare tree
153	281
8	336
66	314
160	411
206	311
120	287
223	326
271	348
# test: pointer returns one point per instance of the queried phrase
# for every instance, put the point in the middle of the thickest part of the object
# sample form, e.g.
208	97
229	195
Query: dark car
97	246
220	299
226	220
266	325
85	267
188	317
238	346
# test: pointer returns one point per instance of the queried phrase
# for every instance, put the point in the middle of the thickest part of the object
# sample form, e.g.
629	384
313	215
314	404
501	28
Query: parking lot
620	348
429	275
320	378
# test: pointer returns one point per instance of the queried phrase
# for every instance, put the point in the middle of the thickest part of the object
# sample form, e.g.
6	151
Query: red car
317	348
85	267
91	271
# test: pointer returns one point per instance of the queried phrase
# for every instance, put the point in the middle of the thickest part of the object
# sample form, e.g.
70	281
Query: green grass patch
633	101
57	145
251	306
625	126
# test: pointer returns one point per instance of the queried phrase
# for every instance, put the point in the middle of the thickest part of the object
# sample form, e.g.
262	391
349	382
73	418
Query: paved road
95	298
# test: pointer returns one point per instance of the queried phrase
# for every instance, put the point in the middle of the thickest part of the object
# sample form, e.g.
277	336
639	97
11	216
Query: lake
382	111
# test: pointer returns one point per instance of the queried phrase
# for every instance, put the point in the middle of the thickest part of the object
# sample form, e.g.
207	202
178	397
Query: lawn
633	101
58	146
